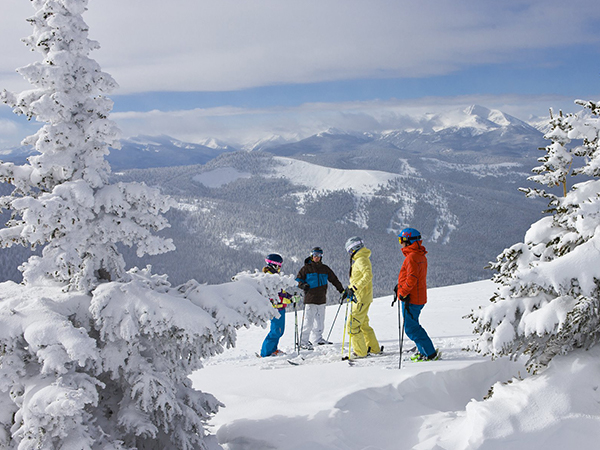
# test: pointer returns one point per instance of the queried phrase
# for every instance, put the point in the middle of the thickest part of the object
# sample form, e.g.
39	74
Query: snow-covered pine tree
558	159
62	199
85	362
548	296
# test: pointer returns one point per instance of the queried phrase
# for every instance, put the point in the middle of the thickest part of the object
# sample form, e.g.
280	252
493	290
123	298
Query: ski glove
395	295
347	293
304	286
402	299
284	295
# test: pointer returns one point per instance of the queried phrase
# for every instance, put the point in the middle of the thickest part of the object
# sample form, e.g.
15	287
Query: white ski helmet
354	244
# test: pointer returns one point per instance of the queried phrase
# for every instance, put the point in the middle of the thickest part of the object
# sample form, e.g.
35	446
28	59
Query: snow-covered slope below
326	404
327	179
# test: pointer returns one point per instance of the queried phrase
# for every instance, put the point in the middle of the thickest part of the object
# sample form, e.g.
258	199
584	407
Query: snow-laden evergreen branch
111	370
547	301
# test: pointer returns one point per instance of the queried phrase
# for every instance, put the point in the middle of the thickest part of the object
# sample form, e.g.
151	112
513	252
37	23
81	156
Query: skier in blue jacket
313	278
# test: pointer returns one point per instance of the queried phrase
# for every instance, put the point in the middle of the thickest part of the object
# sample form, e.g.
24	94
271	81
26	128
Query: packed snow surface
325	403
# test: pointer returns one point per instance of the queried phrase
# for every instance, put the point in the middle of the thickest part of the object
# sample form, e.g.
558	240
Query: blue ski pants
413	329
272	340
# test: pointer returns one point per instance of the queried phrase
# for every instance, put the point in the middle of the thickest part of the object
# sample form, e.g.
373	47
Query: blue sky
239	71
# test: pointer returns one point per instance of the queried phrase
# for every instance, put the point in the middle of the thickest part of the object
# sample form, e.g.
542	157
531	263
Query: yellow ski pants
362	336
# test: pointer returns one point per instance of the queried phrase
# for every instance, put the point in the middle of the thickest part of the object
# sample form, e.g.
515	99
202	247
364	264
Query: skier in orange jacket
412	292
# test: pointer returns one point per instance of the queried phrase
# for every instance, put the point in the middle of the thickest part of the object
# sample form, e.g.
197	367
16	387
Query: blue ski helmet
409	235
274	260
354	244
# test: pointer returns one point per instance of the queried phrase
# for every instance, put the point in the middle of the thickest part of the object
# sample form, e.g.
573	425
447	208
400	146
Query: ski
296	360
270	356
349	360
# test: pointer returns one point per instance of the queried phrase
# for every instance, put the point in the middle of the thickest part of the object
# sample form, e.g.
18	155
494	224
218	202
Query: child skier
280	301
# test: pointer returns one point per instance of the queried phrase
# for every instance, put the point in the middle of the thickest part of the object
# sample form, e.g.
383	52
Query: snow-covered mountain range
454	176
474	121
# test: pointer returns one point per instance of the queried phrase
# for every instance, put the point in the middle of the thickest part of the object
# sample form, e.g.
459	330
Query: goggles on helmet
317	254
273	263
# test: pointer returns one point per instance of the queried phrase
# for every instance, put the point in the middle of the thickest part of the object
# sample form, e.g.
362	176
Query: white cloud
11	133
189	45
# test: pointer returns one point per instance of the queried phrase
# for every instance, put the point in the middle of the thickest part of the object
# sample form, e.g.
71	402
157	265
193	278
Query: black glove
347	293
402	299
304	286
395	295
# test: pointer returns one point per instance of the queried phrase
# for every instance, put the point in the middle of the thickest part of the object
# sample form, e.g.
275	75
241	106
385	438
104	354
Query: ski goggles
317	254
273	263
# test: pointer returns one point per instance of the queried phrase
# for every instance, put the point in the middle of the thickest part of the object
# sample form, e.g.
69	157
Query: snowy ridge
363	183
474	119
267	142
477	118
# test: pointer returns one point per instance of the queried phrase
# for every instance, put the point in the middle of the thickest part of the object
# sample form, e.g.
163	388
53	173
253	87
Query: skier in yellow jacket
362	336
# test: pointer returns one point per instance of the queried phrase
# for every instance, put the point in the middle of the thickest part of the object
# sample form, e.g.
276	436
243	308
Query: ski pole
335	318
302	327
296	337
400	334
344	330
350	299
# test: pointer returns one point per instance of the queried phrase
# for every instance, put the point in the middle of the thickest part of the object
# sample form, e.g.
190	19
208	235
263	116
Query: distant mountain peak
215	144
477	110
332	131
269	141
494	116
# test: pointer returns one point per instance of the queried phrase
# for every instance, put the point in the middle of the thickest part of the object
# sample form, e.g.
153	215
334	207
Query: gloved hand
282	294
347	293
395	295
304	286
402	298
295	298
